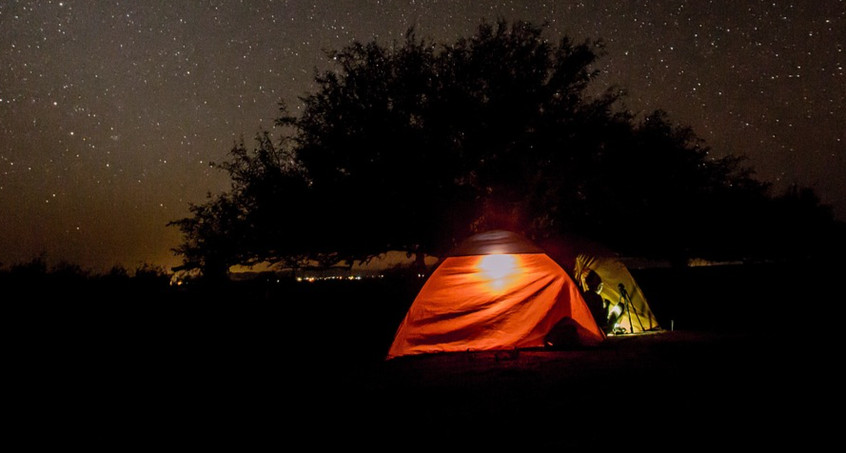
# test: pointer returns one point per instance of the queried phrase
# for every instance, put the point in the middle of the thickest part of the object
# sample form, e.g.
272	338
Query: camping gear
496	291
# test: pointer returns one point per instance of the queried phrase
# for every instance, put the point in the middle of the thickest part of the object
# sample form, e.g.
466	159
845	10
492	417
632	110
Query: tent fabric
493	300
495	242
614	273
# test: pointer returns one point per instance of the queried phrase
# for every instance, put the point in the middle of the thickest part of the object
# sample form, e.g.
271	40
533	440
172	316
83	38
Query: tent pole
627	304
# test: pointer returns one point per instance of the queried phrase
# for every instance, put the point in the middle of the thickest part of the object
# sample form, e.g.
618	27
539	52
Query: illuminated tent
496	291
627	301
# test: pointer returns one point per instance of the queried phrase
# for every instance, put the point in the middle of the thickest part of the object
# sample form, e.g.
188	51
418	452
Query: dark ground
752	362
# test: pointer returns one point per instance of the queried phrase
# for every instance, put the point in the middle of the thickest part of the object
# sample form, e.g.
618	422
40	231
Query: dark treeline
64	280
153	287
264	320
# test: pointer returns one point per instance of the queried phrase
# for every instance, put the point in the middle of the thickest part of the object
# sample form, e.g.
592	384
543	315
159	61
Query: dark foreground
305	372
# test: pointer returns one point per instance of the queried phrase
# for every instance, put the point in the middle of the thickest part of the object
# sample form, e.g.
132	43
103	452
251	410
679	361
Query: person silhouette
596	303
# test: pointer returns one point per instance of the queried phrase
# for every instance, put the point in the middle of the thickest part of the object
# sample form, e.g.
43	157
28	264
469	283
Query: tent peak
495	242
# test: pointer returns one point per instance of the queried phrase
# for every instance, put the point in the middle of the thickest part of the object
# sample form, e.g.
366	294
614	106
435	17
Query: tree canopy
415	146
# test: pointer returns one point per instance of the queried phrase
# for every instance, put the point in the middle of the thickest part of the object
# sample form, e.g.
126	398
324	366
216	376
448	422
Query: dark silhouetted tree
422	145
415	146
211	243
263	218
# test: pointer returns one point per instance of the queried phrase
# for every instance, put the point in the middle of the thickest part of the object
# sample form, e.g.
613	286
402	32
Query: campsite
742	359
708	319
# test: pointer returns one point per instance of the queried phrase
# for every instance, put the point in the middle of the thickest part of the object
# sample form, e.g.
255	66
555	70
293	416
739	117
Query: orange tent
496	291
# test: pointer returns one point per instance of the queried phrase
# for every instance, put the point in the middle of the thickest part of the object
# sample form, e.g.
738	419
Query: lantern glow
498	270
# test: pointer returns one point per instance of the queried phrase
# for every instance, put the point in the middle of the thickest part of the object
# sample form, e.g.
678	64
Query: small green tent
589	261
628	309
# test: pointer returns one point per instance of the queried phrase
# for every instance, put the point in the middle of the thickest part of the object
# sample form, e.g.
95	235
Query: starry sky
111	111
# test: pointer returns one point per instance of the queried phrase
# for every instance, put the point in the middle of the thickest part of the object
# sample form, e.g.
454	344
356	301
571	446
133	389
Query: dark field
751	362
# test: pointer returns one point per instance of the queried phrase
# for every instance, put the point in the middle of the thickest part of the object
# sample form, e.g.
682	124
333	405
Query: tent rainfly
496	291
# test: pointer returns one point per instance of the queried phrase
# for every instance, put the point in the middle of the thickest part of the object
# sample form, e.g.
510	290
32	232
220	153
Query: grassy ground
678	389
302	367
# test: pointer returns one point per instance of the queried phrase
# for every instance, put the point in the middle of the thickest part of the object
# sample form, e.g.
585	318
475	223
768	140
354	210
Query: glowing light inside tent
498	271
616	310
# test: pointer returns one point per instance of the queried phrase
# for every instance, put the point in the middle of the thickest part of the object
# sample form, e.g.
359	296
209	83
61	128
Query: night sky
111	111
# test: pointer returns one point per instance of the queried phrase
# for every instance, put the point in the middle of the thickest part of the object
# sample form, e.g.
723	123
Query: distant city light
313	278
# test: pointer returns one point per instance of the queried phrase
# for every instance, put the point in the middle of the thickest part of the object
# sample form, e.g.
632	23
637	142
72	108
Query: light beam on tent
499	271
